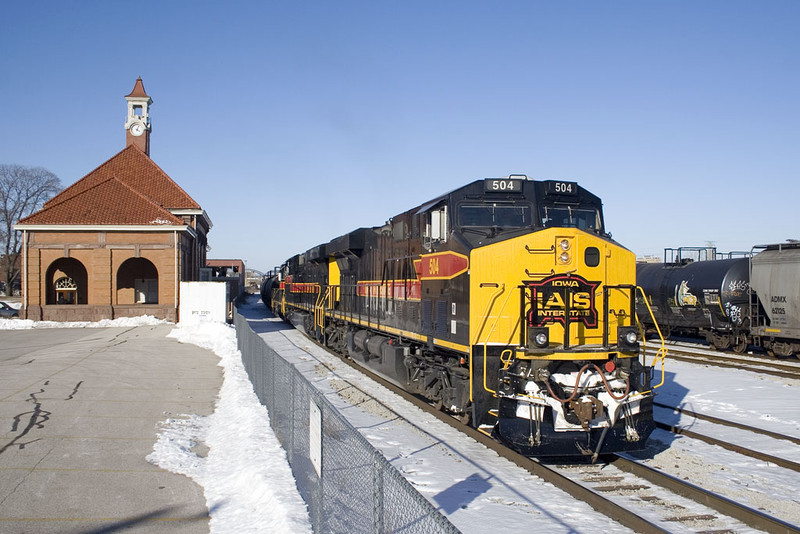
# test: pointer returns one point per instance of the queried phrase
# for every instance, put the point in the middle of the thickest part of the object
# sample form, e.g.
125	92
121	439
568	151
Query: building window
66	291
67	282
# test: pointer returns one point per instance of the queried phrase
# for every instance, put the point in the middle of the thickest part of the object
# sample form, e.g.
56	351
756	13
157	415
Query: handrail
661	353
486	342
485	315
333	295
319	311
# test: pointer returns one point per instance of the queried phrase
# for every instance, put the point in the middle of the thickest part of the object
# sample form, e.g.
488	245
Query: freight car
706	298
504	302
774	311
733	303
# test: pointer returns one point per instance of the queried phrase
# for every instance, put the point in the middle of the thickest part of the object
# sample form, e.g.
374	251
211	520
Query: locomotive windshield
567	216
495	214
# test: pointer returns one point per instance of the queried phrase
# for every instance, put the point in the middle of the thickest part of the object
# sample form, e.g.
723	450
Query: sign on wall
315	436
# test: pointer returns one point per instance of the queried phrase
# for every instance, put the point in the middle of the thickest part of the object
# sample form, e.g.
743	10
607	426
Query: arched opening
67	282
137	282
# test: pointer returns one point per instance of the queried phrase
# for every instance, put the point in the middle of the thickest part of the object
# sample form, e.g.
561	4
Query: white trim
103	227
187	211
25	276
177	274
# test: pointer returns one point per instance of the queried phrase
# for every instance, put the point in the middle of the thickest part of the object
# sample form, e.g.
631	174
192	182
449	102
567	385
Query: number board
502	185
555	187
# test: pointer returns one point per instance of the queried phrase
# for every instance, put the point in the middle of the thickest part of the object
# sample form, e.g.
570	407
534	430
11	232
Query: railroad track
760	364
788	464
652	492
636	504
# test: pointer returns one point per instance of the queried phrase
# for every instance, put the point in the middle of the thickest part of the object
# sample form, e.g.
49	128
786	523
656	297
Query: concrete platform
79	413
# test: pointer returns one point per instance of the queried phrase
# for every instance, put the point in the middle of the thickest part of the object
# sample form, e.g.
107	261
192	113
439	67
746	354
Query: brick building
116	243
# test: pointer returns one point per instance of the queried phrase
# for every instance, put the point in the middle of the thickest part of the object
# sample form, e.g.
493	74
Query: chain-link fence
348	485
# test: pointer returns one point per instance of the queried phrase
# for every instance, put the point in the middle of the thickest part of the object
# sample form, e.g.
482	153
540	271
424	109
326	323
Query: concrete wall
203	302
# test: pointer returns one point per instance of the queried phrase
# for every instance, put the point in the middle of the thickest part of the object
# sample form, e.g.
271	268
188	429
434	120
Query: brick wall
101	254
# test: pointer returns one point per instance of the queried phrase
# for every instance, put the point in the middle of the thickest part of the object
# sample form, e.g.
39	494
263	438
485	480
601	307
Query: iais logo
554	295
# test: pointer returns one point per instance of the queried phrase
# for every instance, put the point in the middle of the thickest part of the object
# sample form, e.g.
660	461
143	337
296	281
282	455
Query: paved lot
79	410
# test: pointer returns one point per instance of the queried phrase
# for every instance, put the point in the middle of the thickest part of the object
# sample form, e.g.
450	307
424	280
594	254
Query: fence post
377	507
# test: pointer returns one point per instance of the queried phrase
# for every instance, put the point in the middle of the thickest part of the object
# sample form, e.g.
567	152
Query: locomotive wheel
740	344
782	350
720	342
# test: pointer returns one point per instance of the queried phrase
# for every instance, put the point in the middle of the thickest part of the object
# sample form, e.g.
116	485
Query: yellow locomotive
504	302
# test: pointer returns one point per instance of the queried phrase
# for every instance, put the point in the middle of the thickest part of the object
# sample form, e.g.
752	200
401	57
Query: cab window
494	214
567	216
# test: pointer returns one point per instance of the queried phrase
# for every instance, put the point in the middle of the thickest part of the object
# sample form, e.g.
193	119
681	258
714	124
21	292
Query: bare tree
23	190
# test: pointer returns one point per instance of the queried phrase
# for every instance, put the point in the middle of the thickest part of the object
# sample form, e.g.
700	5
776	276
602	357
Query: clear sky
294	122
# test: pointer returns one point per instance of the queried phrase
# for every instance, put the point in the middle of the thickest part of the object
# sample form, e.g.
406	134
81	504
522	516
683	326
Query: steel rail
763	367
788	464
723	505
747	357
733	424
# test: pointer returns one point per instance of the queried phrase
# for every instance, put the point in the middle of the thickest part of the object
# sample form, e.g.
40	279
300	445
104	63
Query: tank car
503	302
265	290
775	306
707	298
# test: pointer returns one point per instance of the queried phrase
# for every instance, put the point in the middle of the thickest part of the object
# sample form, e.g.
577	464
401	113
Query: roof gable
108	202
135	169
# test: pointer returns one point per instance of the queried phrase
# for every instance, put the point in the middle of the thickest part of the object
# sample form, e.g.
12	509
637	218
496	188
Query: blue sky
294	122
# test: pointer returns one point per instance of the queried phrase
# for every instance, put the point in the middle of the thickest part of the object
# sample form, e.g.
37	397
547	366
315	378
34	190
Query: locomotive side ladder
485	314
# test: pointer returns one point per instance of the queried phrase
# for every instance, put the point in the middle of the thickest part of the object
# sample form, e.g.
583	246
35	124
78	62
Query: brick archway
66	282
137	282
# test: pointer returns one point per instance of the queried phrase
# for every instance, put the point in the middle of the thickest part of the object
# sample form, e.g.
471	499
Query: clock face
137	129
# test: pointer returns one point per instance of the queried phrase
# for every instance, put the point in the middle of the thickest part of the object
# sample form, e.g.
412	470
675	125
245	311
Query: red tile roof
134	168
106	202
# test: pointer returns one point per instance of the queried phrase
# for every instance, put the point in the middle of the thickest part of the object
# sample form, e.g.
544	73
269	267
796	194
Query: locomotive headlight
564	257
538	337
628	338
564	244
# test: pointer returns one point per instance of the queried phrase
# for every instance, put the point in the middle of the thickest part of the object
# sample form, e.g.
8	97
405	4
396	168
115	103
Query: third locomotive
505	302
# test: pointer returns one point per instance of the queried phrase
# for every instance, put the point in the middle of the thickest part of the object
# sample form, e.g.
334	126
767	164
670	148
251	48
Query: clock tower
137	125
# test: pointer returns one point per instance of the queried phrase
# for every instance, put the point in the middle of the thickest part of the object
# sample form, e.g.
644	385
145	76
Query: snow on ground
233	453
762	401
27	324
249	486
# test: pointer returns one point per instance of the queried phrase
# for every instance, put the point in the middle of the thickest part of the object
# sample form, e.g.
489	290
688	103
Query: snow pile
27	324
248	484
